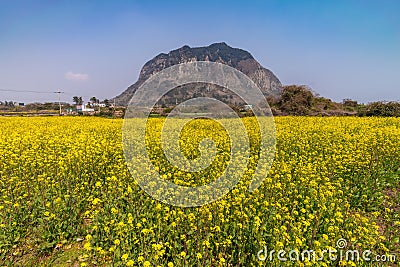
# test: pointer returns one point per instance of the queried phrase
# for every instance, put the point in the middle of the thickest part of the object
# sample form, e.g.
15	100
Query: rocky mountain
217	52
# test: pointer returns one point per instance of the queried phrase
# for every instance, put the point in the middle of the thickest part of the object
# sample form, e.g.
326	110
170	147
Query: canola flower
66	179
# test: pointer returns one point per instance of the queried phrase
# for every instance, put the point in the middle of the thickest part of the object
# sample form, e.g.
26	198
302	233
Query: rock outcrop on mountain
217	52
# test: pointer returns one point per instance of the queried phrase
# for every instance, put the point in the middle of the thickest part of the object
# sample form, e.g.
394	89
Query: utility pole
59	100
114	109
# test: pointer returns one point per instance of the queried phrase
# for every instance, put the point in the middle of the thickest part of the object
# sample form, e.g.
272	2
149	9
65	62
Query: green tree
296	100
77	100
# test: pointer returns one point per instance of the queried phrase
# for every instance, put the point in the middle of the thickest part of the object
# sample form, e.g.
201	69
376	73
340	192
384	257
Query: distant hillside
218	52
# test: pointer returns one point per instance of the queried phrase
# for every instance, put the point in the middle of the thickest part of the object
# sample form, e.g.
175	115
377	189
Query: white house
83	108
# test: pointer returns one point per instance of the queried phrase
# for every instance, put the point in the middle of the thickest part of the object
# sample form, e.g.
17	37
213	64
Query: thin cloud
76	76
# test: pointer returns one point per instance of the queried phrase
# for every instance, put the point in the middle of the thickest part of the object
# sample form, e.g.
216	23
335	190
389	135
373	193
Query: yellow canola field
65	185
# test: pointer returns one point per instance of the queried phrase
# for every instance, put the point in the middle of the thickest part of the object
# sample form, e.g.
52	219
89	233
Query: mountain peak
185	47
214	45
217	52
221	44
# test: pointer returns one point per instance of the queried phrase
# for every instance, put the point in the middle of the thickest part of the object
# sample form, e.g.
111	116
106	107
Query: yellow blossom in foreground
64	178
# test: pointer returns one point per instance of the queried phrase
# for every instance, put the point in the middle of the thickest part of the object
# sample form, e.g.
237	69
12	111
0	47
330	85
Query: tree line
78	100
300	100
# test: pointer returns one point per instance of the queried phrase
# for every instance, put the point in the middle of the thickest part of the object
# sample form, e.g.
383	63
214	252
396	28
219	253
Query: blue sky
341	49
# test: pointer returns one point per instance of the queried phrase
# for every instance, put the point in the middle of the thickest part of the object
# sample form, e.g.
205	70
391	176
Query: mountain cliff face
218	52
